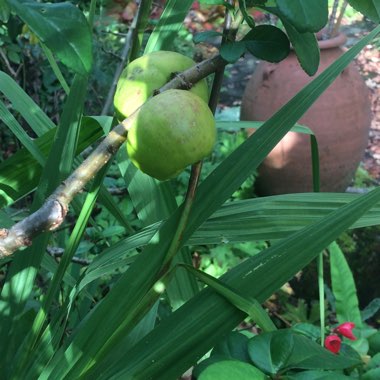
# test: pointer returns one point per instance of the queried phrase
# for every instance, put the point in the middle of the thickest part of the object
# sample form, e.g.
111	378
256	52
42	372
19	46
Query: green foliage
277	353
60	320
370	8
62	27
303	15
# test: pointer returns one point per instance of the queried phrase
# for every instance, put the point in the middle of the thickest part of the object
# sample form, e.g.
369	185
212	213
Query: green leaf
343	287
190	339
20	133
217	2
232	51
234	346
317	375
23	269
271	351
206	36
259	276
310	355
268	43
231	369
306	48
371	309
304	15
267	218
250	306
5	11
246	16
23	103
62	27
18	179
372	374
171	21
154	200
369	8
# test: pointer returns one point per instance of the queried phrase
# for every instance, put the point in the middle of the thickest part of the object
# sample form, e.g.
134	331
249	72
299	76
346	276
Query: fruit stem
188	203
53	212
229	33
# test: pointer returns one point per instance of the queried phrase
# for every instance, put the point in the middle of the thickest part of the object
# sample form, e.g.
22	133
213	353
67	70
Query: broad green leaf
231	369
271	351
206	36
317	375
62	27
232	51
170	23
311	355
304	15
372	374
306	48
234	346
343	287
268	43
369	8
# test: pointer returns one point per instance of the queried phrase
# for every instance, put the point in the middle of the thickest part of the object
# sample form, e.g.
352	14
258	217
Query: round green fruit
148	73
171	131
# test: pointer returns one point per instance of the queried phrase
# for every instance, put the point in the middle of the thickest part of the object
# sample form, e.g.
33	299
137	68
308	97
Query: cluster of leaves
296	353
75	325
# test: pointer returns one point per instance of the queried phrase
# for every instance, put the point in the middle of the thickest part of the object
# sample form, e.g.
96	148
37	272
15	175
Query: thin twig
53	212
124	57
6	61
197	167
331	22
58	252
339	19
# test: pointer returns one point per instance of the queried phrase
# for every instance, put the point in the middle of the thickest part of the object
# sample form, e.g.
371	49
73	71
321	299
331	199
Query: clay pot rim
336	41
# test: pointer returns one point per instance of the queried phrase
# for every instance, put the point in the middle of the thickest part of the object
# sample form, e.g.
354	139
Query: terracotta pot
340	119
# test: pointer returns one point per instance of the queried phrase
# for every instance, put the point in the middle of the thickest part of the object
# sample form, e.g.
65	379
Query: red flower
333	343
345	329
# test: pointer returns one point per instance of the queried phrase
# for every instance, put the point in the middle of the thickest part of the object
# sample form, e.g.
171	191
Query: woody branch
54	210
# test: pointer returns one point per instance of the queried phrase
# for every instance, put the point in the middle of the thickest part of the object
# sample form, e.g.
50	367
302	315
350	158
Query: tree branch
54	210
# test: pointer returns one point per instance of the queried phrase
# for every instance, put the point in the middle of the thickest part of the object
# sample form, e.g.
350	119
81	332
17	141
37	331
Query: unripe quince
171	131
148	73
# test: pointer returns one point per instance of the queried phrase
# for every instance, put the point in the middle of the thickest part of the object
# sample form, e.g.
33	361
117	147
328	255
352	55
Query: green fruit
171	131
148	73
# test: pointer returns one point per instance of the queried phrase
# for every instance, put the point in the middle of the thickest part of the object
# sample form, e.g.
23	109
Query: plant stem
339	19
331	22
53	212
177	238
196	168
321	290
124	57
